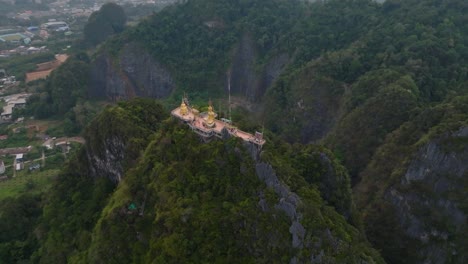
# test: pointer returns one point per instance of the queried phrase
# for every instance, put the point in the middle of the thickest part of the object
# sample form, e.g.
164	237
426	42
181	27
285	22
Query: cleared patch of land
44	69
27	182
12	37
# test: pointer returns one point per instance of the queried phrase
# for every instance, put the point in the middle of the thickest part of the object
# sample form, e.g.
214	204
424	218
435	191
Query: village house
19	165
7	112
15	102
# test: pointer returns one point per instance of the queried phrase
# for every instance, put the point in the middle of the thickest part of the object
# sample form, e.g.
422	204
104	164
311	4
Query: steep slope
207	203
417	45
186	201
413	193
198	44
70	211
116	137
134	73
373	82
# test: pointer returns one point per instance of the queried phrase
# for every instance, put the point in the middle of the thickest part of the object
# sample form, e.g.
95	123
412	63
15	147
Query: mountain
383	86
252	41
413	191
146	189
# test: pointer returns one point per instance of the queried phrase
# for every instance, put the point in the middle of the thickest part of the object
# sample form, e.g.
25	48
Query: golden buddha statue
210	120
183	108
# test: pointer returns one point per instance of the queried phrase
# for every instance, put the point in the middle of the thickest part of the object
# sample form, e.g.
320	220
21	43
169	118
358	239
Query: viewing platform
207	126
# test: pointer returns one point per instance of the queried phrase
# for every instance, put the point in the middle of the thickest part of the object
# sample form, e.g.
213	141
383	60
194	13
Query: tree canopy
108	20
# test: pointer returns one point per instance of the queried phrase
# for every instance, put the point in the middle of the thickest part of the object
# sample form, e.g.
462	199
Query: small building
33	28
20	102
54	25
14	151
19	157
19	166
7	112
66	28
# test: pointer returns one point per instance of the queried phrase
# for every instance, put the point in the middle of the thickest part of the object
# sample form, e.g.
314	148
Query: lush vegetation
200	203
18	220
410	55
373	82
357	72
18	65
182	200
436	125
64	95
27	183
108	20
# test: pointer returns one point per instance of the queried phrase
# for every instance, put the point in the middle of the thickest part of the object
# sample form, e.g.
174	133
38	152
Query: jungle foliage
110	19
373	82
186	201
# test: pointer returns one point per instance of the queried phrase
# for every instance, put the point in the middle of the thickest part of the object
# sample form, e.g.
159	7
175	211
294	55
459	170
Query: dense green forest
376	92
181	201
108	20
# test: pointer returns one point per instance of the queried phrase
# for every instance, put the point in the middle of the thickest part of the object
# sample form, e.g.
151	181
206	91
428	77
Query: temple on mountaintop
207	126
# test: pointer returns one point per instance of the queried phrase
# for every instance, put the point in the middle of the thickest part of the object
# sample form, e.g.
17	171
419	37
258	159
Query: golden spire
183	108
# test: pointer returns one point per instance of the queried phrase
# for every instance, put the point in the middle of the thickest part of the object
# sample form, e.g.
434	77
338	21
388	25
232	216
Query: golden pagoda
210	120
183	108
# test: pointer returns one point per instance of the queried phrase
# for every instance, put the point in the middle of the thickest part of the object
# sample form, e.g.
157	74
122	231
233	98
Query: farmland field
12	37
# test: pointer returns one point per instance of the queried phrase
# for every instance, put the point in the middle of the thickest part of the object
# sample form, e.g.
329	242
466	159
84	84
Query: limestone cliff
304	106
248	77
111	146
430	199
178	200
134	72
413	193
218	203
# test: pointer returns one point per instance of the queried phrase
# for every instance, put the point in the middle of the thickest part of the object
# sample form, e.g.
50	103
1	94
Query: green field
27	182
12	37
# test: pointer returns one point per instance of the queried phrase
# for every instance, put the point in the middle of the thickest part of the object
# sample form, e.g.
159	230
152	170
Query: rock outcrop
132	73
415	197
114	138
288	202
431	200
304	107
246	77
107	163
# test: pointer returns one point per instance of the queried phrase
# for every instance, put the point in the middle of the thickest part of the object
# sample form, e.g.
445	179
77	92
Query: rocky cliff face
133	73
108	164
430	199
303	236
415	197
304	107
115	138
247	77
288	201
